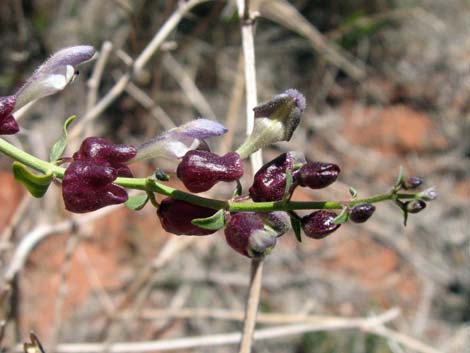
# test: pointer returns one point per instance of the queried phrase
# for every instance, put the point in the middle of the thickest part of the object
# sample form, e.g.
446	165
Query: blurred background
387	84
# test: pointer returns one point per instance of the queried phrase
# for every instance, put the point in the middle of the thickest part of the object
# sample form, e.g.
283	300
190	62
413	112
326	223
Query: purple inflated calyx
361	212
200	170
176	216
246	234
8	125
317	175
88	180
319	224
269	182
87	187
104	152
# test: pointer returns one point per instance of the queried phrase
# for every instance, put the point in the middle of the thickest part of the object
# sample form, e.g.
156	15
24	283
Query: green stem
154	186
31	161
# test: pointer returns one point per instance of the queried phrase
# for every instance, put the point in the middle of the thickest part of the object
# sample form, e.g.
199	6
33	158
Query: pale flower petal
54	75
175	143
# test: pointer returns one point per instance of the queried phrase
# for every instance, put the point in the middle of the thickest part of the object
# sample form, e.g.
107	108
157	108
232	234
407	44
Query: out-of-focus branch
285	14
33	238
256	275
188	86
374	324
183	8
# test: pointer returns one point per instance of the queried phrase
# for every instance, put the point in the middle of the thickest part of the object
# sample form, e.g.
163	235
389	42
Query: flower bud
176	216
412	183
54	74
275	121
104	152
8	125
319	224
361	212
87	187
415	206
429	194
246	234
317	175
200	170
269	182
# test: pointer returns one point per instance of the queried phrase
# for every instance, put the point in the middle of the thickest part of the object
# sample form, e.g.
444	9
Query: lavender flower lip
54	74
175	143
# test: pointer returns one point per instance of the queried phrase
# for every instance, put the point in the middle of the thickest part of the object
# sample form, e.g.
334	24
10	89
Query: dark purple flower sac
88	186
88	181
8	125
105	153
245	233
270	181
201	170
361	212
317	175
176	216
319	224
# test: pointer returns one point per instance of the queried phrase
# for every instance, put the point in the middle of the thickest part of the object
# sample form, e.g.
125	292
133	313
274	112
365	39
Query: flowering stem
151	185
31	161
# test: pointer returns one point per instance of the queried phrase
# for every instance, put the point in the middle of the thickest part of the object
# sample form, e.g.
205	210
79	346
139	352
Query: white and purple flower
175	143
49	78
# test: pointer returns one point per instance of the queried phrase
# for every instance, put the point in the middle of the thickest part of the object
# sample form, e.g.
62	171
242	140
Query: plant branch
256	159
150	185
373	324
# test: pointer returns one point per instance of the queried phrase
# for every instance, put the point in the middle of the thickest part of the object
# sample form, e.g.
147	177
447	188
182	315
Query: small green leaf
214	222
353	192
59	147
342	217
289	181
37	185
137	202
296	227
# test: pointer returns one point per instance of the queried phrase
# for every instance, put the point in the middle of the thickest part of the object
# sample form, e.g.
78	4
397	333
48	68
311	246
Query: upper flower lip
54	74
279	101
176	142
